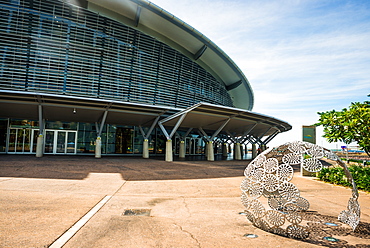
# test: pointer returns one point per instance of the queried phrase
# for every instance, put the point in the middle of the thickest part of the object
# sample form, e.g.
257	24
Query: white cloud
300	56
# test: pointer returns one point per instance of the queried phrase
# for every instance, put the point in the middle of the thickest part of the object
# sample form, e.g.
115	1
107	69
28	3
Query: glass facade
58	48
19	136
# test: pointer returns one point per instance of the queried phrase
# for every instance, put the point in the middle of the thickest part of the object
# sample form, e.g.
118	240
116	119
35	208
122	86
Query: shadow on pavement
346	237
133	168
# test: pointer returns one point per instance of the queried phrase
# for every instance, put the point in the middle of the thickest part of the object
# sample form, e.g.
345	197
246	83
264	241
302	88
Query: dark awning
210	118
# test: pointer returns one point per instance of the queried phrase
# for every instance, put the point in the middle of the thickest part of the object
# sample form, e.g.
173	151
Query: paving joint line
66	236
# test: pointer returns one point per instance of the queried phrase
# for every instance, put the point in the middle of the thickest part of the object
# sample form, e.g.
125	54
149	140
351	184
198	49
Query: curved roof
156	22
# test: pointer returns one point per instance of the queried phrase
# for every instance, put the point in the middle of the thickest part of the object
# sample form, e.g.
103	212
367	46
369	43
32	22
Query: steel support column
169	152
146	137
99	132
40	138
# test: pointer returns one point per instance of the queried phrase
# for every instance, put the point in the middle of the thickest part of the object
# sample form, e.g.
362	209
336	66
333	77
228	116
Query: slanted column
182	149
224	149
99	131
237	153
263	147
146	137
40	146
210	152
254	151
40	138
169	154
146	148
98	147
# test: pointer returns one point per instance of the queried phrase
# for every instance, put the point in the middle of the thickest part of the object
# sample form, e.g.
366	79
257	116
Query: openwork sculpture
274	204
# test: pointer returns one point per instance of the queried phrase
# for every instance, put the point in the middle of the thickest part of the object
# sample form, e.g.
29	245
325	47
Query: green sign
309	134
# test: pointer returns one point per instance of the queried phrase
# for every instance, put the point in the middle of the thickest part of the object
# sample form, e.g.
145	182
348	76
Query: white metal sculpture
274	204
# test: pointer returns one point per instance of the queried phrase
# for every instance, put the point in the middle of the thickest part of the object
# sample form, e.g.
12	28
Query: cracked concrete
191	235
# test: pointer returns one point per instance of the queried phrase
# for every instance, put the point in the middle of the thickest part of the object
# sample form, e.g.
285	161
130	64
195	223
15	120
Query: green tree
348	125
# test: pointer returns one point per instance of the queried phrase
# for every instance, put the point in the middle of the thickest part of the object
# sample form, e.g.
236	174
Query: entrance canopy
237	122
208	118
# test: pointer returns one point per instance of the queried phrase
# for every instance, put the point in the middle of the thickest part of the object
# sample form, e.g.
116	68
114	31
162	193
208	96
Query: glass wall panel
160	143
49	141
19	140
23	123
111	139
71	142
61	125
34	141
27	140
86	138
138	141
124	138
61	142
12	140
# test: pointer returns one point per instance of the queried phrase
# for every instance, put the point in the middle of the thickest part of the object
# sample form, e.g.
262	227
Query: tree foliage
348	125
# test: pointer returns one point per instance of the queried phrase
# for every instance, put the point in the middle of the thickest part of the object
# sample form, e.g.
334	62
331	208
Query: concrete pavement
191	204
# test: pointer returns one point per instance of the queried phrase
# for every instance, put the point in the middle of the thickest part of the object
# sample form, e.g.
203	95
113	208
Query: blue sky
300	56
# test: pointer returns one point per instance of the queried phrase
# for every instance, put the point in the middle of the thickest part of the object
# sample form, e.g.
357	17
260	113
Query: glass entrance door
49	141
60	142
22	140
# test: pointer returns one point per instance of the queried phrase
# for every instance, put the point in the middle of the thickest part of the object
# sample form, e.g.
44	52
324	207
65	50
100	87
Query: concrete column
210	152
169	155
246	150
224	149
98	147
254	151
146	148
182	149
40	146
237	151
241	151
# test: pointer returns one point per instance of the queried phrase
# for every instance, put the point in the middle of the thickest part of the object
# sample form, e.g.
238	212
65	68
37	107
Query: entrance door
21	140
124	140
60	142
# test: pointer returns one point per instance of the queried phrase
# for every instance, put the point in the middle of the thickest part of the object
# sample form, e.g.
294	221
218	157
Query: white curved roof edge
215	60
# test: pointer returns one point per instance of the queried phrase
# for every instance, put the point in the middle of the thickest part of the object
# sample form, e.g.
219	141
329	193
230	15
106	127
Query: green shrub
357	161
336	175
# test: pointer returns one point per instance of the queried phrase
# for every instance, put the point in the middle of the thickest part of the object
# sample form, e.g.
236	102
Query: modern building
119	77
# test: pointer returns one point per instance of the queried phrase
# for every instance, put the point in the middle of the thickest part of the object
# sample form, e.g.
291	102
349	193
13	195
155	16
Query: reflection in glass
71	142
34	141
49	141
12	139
19	140
61	142
124	140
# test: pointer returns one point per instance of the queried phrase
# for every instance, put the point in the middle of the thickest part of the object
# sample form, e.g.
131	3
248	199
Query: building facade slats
52	46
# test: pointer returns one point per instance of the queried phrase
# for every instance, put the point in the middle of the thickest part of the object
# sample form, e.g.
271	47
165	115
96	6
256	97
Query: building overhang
76	109
237	122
